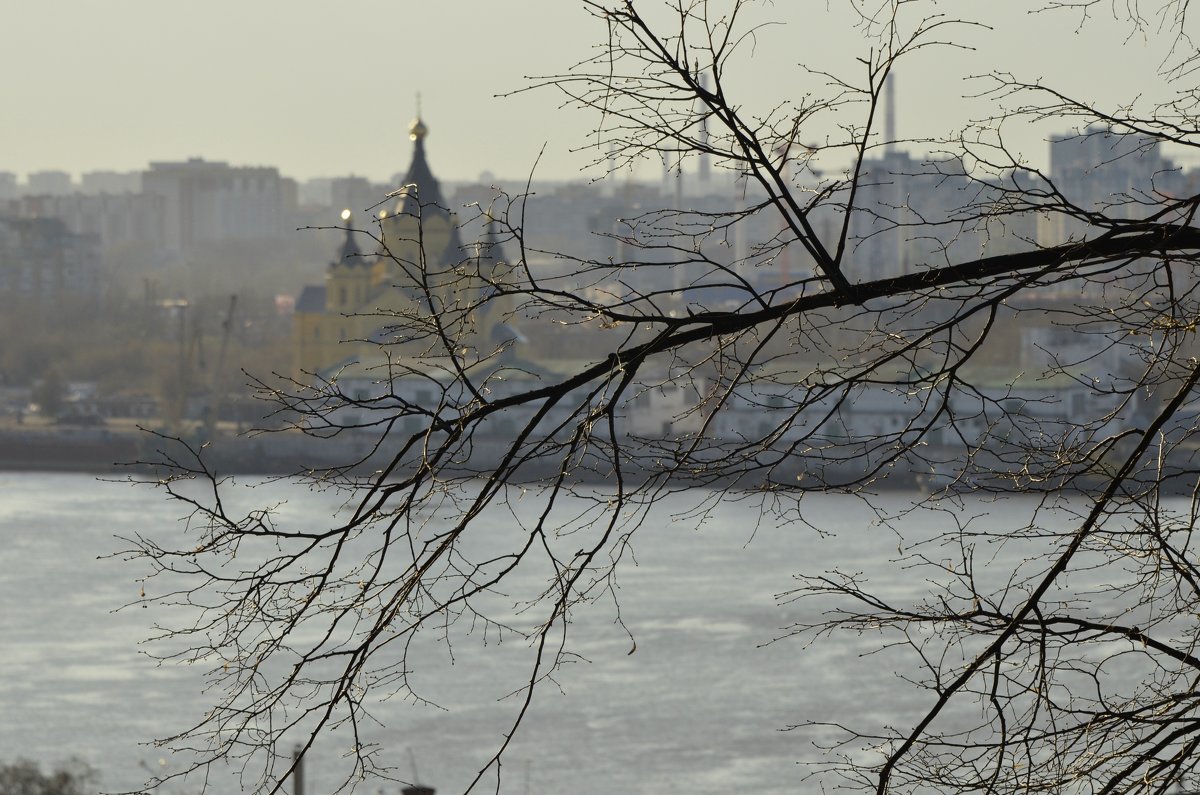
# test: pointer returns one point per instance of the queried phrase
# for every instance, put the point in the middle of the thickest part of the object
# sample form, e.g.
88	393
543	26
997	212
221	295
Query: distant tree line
26	777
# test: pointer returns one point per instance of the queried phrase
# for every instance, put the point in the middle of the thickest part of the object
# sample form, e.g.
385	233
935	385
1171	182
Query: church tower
420	284
328	317
421	246
348	278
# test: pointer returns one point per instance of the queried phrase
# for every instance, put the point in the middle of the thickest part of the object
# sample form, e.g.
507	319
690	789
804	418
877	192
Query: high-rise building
8	186
112	182
49	183
111	219
1123	175
907	214
207	202
41	259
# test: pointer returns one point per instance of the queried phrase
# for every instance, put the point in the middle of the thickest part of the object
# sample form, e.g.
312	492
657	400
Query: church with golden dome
399	291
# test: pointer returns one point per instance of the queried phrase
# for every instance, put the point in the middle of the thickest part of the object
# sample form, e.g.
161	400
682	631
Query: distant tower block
298	770
612	168
705	166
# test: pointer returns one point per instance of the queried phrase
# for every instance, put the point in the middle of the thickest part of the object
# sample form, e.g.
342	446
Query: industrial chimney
889	108
298	770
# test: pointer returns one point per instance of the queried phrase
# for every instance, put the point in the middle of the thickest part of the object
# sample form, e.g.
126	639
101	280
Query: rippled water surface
701	706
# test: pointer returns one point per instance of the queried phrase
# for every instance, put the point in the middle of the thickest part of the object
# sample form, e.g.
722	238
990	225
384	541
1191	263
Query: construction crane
216	382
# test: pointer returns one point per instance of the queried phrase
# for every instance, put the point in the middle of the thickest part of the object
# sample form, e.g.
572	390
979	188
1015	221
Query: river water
701	706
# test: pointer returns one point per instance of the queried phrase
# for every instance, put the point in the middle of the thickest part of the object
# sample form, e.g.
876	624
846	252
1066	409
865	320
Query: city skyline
319	94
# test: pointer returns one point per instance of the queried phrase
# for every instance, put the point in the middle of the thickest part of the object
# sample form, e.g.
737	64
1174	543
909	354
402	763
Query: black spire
421	195
350	254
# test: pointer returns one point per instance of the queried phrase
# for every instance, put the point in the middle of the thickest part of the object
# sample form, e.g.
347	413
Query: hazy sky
323	89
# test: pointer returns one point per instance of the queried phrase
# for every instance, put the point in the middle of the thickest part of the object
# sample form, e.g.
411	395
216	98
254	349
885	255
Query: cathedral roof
312	299
350	253
421	194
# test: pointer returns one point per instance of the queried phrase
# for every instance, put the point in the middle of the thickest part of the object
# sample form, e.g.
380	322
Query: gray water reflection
700	707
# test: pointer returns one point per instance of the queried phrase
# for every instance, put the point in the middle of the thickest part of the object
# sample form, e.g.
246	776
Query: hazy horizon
322	93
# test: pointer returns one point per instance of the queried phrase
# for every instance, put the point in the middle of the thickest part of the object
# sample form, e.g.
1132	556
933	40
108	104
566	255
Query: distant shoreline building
42	260
210	202
419	271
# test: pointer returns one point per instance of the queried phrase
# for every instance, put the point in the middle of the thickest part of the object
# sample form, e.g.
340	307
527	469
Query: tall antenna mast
704	160
889	108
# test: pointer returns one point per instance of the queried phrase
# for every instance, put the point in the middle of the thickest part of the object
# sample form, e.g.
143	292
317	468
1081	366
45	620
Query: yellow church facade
420	285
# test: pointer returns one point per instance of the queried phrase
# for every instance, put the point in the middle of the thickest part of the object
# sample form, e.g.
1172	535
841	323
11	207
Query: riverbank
124	447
